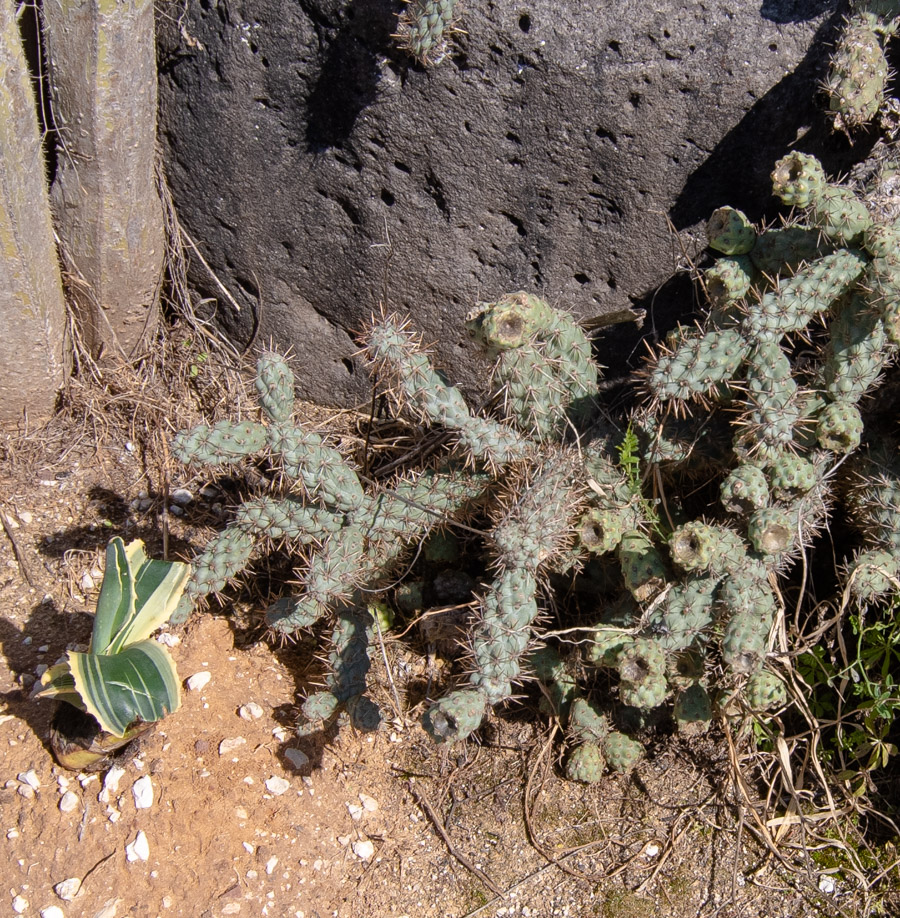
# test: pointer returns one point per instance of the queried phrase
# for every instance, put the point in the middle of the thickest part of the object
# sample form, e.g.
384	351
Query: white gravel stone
827	884
169	639
111	780
297	757
277	785
87	583
23	790
281	734
30	778
142	791
271	864
68	802
67	890
250	711
370	804
26	517
109	909
139	849
198	681
364	850
230	744
52	911
20	905
356	811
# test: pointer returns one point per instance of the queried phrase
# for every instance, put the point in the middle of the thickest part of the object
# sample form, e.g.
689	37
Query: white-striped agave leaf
139	683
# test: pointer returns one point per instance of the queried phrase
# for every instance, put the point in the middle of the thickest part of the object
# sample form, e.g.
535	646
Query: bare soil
383	825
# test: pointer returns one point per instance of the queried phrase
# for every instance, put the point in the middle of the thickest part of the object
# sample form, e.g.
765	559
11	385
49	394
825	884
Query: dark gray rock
323	175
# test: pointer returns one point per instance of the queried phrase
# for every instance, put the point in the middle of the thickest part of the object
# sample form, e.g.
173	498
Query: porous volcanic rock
323	174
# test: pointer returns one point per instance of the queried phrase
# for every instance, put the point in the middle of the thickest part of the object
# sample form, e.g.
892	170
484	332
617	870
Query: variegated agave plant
126	680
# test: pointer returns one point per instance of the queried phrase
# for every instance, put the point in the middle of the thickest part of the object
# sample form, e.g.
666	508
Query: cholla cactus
682	608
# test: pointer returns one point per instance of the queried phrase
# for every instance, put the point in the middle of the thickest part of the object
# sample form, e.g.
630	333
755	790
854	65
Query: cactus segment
779	252
395	354
586	764
839	427
562	687
587	724
840	214
275	387
423	27
798	179
643	567
685	615
642	669
698	546
764	691
693	706
223	442
790	475
220	562
622	752
744	490
771	531
697	363
873	573
857	352
796	300
730	232
455	716
286	519
319	706
857	76
728	281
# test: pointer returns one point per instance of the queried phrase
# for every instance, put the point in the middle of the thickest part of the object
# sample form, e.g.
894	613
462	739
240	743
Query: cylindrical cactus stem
730	232
622	752
586	764
858	73
223	443
727	282
275	386
587	724
321	470
748	605
840	214
224	557
503	635
791	306
395	354
455	717
423	27
332	576
882	278
348	658
790	475
874	499
701	547
780	251
772	530
289	518
642	669
537	516
685	614
857	353
764	691
544	367
773	406
693	363
561	685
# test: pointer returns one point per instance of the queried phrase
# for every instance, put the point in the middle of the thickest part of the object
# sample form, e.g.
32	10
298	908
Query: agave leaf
115	605
158	586
59	683
139	683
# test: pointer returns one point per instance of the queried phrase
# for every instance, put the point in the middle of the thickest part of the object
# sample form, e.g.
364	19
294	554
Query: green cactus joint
423	27
857	76
730	232
839	427
798	179
456	716
622	752
586	764
693	706
764	691
744	490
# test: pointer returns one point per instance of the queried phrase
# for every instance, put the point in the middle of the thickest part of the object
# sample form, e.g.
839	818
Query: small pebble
67	890
27	640
271	864
826	884
26	517
277	785
142	791
23	790
296	757
241	813
231	908
19	905
175	510
139	849
12	834
198	681
182	496
364	850
52	911
370	804
87	583
249	848
30	778
112	778
281	734
169	639
230	744
250	711
68	802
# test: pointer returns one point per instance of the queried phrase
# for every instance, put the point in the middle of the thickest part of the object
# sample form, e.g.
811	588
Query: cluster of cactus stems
688	605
